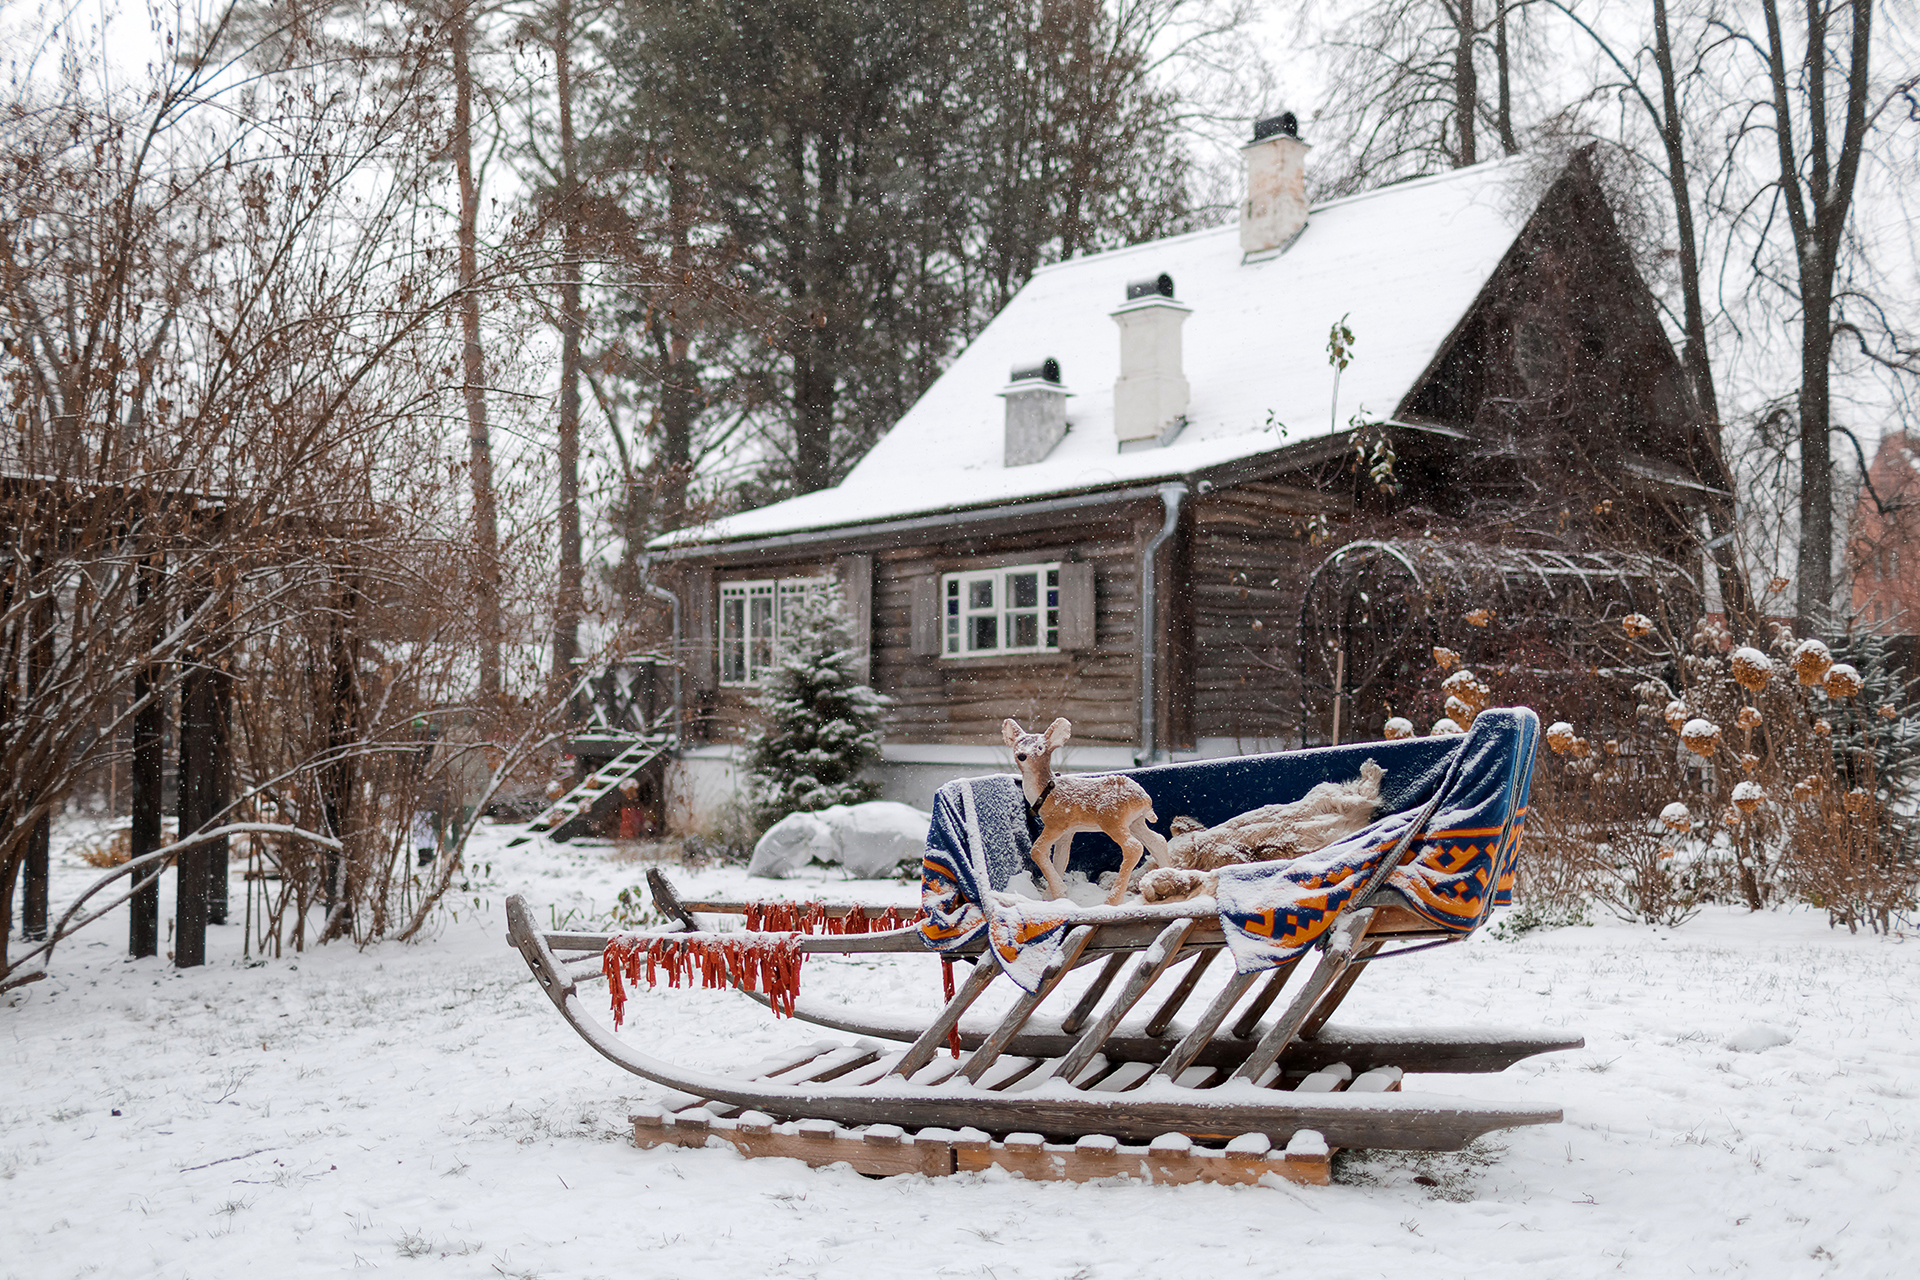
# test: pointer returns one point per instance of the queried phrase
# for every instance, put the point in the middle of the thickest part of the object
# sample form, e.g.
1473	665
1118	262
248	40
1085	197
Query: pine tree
1875	736
821	727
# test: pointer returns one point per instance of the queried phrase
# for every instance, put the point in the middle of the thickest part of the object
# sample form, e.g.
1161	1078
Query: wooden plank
1257	1008
878	1150
1016	1017
1326	1080
1341	986
833	1065
1378	1080
1171	1160
1090	998
1004	1072
1163	1018
1154	961
985	970
1333	962
1123	1077
924	630
1200	1035
856	583
1078	609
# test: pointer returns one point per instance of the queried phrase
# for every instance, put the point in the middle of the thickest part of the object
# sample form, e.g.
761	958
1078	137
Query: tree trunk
1694	355
1818	206
570	602
1466	92
143	929
1508	142
486	527
1814	570
679	383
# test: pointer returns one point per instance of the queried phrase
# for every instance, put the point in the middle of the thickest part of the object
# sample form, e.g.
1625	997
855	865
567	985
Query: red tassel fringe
812	918
764	962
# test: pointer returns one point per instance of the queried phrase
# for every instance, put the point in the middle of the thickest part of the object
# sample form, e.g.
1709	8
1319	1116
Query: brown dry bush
1782	790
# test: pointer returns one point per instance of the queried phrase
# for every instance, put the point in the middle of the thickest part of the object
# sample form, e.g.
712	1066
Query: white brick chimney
1036	412
1150	395
1275	209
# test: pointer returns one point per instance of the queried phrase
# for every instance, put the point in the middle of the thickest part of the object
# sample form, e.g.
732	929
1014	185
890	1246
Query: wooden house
1110	505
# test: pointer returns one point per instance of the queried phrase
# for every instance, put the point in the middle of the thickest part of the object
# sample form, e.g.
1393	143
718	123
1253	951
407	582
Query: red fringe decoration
812	918
946	984
764	962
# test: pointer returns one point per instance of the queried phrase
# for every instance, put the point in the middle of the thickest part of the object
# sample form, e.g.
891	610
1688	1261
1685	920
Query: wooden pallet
885	1150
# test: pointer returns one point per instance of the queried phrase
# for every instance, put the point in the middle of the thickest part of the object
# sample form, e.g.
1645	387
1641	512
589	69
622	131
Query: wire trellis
1373	611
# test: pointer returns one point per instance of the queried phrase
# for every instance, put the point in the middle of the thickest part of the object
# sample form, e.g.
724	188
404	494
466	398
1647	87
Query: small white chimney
1150	395
1036	412
1275	209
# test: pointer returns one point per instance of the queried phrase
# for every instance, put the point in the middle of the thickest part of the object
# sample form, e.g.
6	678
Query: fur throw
1330	811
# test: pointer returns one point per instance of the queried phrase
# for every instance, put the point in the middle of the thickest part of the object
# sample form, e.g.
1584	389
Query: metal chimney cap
1284	125
1047	370
1153	286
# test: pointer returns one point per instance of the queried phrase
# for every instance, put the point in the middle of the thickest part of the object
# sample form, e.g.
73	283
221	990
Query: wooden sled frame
1233	1096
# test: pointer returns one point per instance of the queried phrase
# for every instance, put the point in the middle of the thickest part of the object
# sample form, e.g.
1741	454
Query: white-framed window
751	614
1013	609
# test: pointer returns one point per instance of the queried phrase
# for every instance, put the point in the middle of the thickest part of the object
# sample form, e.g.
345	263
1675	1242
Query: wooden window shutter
1076	606
856	584
924	630
700	628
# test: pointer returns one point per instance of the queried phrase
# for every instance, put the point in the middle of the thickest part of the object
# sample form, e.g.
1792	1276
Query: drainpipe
652	588
1171	496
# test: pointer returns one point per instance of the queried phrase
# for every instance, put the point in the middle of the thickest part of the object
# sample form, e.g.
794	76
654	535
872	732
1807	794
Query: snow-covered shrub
820	726
1752	774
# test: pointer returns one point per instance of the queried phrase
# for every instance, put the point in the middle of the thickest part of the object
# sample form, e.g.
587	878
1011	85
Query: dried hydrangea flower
1445	659
1777	585
1560	737
1637	625
1805	790
1676	817
1823	726
1749	761
1397	728
1810	661
1748	796
1842	681
1675	714
1479	617
1613	746
1751	668
1459	711
1701	736
1749	718
1888	711
1442	727
1858	802
1582	748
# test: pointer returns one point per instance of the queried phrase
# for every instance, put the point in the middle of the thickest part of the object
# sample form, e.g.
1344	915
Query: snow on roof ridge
1484	168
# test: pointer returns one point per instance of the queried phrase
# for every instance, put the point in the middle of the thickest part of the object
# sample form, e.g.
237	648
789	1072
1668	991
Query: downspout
652	588
1171	496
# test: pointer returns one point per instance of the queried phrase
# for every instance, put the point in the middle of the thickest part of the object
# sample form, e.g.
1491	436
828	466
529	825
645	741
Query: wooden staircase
597	794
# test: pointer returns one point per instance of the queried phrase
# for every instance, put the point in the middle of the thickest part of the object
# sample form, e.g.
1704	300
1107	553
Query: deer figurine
1108	802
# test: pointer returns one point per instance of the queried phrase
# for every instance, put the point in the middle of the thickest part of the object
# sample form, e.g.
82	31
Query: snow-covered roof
1403	264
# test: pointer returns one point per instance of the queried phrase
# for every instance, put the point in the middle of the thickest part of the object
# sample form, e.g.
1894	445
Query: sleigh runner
1135	1071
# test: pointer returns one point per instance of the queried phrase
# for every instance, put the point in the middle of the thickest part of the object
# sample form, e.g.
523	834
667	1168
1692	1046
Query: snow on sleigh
1128	1073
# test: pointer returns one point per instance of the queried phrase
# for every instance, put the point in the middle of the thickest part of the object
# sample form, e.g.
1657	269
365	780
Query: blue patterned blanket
1452	874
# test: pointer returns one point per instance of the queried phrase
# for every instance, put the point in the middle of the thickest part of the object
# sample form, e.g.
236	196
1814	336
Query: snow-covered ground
1746	1105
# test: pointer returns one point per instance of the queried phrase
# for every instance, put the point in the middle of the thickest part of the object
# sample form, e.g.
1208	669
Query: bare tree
1406	95
1821	104
227	350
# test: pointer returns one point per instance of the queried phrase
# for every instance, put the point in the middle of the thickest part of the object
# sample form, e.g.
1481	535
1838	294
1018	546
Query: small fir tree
820	727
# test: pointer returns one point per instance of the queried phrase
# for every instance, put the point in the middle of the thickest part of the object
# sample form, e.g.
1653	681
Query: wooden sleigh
1118	1077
